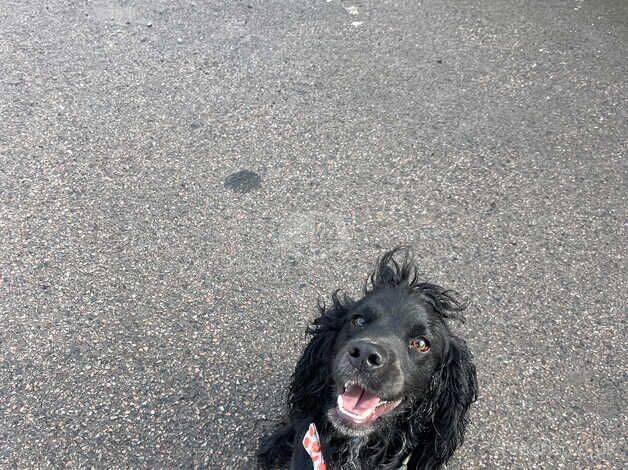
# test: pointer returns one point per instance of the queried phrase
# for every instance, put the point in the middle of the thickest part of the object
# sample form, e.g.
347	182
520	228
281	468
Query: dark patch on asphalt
243	181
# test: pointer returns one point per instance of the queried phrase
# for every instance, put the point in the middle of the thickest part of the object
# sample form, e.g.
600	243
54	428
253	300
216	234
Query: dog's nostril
354	352
374	359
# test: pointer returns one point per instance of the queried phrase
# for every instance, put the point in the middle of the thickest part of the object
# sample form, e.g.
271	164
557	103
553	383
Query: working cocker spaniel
383	382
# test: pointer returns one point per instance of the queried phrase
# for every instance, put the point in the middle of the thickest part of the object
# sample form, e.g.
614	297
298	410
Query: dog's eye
358	321
421	344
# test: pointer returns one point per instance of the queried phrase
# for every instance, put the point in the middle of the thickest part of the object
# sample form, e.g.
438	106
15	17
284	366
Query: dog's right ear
312	375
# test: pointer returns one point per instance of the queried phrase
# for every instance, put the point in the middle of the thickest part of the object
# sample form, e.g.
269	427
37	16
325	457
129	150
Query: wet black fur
430	426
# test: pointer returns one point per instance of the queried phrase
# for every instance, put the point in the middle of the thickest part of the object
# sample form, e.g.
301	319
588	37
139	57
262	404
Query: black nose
366	356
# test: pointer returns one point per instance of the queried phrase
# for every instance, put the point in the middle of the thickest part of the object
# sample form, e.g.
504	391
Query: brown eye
421	344
358	322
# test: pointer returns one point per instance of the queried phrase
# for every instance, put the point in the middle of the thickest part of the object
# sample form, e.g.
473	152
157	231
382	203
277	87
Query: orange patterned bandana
312	445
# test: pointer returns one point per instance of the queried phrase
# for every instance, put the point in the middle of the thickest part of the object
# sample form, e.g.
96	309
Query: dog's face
385	355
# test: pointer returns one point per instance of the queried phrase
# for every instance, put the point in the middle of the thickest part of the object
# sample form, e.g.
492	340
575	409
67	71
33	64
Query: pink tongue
357	400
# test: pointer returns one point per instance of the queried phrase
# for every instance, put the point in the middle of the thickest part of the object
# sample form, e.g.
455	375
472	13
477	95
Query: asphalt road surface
181	181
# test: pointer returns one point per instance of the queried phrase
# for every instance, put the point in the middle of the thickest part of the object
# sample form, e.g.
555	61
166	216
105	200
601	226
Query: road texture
181	181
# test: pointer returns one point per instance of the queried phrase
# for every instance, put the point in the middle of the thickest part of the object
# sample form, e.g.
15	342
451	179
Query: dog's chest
359	454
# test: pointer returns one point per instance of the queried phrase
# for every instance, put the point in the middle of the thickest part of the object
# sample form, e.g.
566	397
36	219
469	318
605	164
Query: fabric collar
312	444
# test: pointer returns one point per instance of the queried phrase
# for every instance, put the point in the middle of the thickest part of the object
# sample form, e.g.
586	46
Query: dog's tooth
340	402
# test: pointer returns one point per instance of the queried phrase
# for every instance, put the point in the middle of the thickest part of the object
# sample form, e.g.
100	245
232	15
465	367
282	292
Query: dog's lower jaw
348	429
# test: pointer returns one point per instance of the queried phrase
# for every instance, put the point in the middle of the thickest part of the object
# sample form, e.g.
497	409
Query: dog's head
389	361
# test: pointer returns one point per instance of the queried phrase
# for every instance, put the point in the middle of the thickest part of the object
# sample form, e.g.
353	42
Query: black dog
383	379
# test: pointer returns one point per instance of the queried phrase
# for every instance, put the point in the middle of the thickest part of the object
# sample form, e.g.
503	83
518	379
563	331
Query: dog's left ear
454	387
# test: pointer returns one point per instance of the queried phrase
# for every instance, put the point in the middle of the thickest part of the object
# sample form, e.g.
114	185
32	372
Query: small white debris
357	23
353	10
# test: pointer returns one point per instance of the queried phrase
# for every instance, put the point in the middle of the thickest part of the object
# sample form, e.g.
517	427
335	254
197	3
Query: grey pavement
181	181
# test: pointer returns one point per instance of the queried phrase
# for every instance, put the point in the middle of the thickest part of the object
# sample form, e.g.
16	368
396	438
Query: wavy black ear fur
453	389
312	374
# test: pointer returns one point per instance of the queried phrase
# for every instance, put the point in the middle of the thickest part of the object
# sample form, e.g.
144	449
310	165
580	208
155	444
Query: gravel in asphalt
181	181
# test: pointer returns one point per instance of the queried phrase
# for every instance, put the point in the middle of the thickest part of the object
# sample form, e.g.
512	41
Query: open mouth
359	406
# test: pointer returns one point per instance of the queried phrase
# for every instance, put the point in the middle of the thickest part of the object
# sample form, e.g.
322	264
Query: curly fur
430	425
